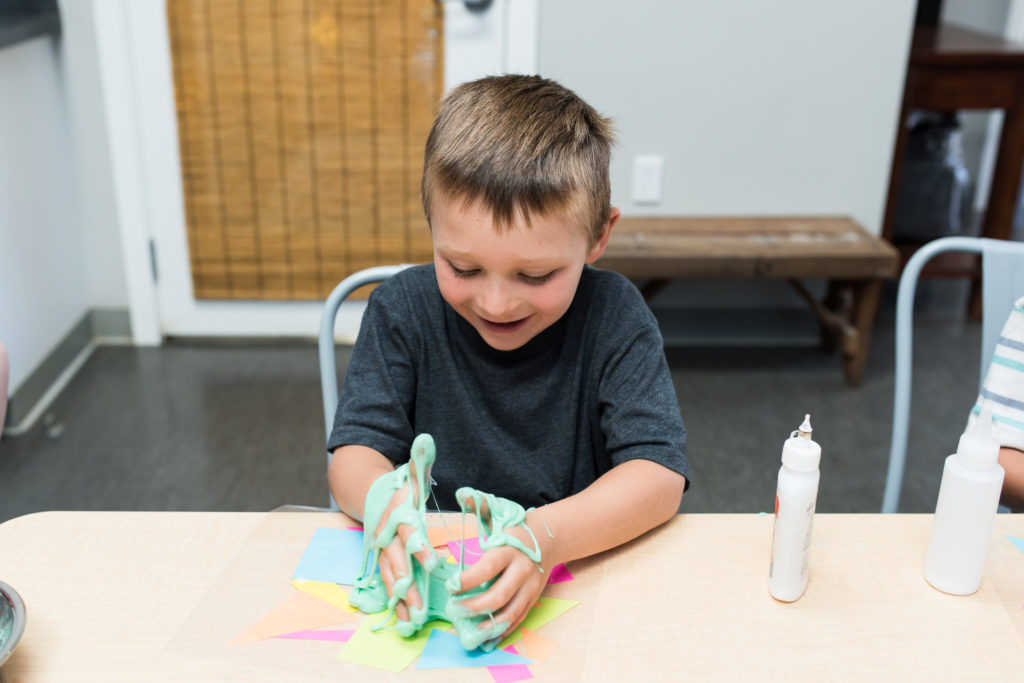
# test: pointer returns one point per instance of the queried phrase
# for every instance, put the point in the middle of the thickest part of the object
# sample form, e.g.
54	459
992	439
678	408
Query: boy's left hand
518	581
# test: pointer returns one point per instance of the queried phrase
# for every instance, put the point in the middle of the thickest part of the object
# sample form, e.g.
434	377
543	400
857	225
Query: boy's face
510	285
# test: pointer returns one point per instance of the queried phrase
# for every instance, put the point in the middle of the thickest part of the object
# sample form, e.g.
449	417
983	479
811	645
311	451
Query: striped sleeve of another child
1003	388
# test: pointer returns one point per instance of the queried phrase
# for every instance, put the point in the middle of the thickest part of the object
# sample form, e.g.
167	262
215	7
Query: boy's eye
537	279
458	272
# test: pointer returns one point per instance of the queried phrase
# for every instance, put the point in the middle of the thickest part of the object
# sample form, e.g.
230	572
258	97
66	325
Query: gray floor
239	427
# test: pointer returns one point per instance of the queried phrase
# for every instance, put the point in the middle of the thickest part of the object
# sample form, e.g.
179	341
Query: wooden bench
854	263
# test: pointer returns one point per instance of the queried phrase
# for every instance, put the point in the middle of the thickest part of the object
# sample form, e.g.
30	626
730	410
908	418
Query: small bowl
12	620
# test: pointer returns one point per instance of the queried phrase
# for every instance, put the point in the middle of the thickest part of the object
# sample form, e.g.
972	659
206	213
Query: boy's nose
495	302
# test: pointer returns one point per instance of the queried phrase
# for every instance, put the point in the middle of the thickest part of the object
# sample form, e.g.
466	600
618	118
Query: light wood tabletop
159	595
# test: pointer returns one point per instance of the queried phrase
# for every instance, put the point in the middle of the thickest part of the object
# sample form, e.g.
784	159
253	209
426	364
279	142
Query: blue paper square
444	651
1019	542
333	555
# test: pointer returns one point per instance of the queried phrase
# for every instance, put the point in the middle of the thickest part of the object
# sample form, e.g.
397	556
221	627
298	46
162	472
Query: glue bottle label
791	543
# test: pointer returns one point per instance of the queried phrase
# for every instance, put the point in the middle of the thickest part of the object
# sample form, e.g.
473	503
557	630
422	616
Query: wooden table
158	595
854	263
952	68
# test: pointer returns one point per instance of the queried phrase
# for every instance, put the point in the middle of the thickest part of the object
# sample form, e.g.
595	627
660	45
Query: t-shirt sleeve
1003	389
640	415
375	403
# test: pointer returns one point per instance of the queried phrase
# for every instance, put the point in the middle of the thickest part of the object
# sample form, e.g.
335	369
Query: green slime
437	582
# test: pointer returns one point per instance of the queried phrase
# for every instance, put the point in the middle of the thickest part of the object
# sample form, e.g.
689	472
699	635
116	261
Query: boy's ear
606	232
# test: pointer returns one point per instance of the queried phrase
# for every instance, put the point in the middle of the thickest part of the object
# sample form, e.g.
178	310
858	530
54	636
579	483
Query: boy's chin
509	341
502	344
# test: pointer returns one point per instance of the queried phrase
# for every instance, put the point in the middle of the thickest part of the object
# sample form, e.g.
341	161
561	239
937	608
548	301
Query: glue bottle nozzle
805	429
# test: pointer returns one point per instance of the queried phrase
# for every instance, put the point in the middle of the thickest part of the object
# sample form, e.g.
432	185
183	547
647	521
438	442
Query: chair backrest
1002	265
328	366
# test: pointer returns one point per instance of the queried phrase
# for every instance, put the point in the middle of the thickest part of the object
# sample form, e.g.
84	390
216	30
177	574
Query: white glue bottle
965	512
795	499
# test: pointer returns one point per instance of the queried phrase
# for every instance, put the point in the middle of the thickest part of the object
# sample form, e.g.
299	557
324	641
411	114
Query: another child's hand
518	581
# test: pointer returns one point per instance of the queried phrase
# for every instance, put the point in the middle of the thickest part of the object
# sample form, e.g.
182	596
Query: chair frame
328	364
904	343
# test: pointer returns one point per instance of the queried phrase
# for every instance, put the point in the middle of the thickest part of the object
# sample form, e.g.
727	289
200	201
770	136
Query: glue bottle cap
978	449
800	452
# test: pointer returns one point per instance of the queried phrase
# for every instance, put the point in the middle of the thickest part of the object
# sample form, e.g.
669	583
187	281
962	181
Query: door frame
135	65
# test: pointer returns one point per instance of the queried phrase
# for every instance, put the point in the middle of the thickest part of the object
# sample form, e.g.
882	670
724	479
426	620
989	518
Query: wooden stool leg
866	295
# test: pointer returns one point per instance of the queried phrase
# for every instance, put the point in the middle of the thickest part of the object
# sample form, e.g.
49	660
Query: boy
1003	391
542	380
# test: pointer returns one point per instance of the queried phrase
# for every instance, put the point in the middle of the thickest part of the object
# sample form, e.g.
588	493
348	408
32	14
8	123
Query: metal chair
328	366
1002	264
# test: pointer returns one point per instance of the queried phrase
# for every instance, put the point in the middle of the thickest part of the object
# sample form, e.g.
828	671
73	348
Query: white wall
43	290
97	212
758	107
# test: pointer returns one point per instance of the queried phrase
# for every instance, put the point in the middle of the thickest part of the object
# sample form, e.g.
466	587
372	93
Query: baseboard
111	325
37	391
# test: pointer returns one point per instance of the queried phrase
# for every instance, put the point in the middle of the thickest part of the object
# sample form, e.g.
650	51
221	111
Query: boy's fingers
388	575
425	554
469	504
400	569
490	565
499	595
516	609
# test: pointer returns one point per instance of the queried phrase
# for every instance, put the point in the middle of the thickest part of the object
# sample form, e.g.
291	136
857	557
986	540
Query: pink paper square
473	551
510	672
559	574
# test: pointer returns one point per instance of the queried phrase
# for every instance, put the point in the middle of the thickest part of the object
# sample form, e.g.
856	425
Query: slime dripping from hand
438	583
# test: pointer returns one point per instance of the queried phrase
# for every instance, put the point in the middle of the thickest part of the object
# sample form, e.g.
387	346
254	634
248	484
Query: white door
136	63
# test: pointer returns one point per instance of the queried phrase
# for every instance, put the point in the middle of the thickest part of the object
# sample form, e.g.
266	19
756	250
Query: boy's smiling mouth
504	327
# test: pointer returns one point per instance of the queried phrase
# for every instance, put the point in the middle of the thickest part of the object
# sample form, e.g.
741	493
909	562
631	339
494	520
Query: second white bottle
795	500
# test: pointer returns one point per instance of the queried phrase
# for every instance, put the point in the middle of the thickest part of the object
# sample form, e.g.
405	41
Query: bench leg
866	295
847	317
832	312
651	288
836	301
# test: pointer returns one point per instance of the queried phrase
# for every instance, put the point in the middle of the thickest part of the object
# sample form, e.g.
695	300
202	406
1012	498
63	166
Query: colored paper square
300	612
559	574
328	592
331	635
535	646
440	535
546	610
445	651
511	672
1019	542
385	649
332	556
473	554
473	551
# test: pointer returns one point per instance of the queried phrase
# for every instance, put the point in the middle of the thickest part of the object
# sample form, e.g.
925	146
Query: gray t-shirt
536	424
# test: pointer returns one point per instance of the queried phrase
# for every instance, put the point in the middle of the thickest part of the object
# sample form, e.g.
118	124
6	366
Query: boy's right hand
393	560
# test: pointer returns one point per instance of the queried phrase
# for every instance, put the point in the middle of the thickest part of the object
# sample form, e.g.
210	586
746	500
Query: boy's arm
1012	461
351	472
625	502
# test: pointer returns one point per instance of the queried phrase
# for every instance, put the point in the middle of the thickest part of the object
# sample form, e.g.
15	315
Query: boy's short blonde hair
521	144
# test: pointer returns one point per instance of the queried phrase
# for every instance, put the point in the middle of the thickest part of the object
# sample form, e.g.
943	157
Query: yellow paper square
547	609
328	592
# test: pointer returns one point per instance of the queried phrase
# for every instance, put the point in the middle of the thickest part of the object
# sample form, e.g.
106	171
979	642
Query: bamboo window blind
301	126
